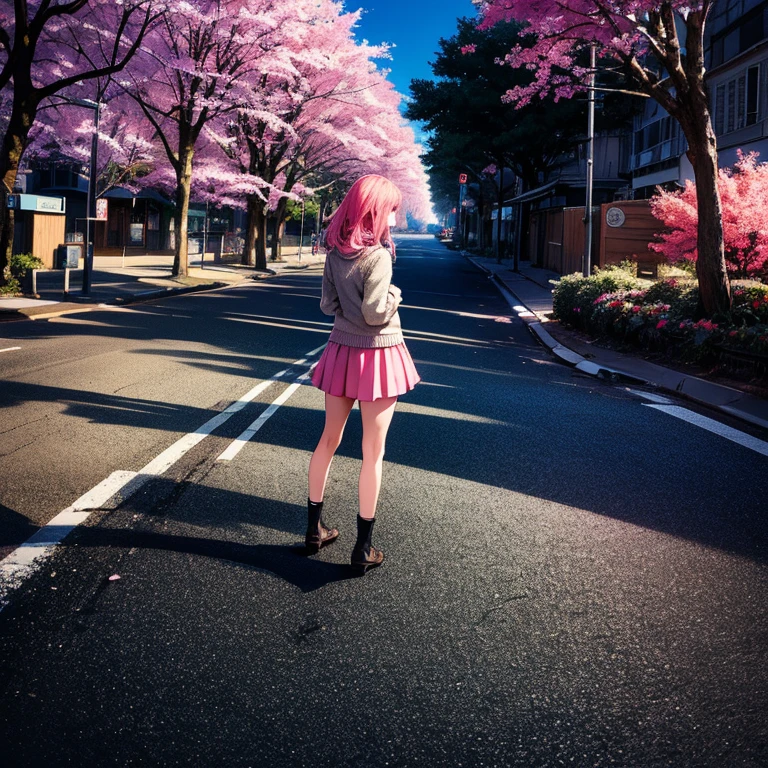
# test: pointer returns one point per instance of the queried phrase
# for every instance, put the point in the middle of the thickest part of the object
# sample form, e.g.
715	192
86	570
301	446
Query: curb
119	301
701	391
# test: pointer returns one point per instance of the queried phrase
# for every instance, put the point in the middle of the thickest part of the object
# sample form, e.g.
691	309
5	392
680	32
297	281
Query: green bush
682	296
21	263
573	299
11	288
750	304
660	316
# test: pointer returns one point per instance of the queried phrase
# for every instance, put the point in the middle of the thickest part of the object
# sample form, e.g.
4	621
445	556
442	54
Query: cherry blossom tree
126	151
743	192
330	116
660	46
49	48
201	65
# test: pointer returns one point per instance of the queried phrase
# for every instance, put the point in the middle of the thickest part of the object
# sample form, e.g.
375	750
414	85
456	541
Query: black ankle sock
364	530
314	511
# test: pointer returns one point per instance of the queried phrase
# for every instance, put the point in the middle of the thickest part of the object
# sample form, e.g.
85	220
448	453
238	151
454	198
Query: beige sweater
358	292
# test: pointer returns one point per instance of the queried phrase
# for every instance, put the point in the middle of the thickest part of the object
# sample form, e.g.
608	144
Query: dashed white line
239	443
20	563
747	441
9	349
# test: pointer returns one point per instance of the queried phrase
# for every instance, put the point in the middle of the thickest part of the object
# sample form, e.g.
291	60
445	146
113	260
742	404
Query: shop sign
37	203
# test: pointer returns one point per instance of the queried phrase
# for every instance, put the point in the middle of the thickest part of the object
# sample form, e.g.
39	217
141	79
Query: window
720	110
737	102
753	95
730	121
745	28
62	175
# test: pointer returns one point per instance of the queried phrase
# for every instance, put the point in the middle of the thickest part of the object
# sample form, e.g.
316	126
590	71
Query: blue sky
414	26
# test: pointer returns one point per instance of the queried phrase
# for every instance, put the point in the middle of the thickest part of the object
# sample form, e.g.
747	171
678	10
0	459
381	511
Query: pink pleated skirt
365	374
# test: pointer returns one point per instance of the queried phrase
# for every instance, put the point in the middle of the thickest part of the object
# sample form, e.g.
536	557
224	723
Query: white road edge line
747	441
239	443
21	561
9	349
654	398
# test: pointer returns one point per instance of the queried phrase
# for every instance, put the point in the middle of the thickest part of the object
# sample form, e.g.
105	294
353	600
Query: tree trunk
279	218
14	144
714	288
183	189
260	223
251	233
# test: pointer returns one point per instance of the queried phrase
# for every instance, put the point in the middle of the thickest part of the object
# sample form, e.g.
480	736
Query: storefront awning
535	194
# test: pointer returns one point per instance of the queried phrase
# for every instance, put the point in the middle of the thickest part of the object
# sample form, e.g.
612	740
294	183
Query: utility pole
590	164
90	207
499	212
460	209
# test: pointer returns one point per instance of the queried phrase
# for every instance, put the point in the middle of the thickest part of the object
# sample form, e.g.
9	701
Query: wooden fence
621	230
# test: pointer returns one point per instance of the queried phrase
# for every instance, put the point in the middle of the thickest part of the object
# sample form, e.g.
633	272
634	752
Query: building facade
736	60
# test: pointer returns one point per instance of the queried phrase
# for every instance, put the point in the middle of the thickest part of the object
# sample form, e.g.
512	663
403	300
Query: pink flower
682	325
577	309
660	324
636	308
756	304
733	333
465	49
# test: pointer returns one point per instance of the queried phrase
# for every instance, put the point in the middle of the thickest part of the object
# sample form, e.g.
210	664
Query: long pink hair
362	218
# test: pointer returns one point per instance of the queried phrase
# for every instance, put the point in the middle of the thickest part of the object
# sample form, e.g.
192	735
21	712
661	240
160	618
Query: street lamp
591	88
90	211
590	164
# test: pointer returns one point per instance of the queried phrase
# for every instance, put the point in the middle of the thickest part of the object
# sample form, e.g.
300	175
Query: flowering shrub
660	317
573	299
743	191
750	304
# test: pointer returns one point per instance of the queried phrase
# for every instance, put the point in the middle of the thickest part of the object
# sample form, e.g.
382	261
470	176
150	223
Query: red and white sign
462	178
101	208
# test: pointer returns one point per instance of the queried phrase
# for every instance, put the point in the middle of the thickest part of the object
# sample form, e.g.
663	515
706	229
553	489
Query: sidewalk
142	278
531	297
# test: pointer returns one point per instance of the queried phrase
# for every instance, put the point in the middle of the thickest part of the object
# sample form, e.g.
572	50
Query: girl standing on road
366	358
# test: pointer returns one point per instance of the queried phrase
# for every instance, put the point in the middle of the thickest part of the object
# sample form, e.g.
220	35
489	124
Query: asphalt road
572	578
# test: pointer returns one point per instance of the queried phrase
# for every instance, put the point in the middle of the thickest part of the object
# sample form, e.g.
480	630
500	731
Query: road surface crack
500	606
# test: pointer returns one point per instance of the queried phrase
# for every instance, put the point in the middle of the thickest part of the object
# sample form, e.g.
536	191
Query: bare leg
377	416
336	413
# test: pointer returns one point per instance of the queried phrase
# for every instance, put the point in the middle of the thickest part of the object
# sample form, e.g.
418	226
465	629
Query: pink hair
362	218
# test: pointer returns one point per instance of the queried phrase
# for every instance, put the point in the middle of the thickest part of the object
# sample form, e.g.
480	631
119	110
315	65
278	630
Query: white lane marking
315	351
9	349
654	398
239	443
183	445
19	564
747	441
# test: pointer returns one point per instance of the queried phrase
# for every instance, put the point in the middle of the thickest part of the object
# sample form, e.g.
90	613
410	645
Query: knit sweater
358	292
